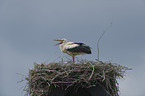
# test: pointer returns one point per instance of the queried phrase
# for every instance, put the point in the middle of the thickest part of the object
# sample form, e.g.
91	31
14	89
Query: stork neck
62	47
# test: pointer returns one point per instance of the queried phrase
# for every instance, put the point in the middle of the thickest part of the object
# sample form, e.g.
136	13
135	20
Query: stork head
61	41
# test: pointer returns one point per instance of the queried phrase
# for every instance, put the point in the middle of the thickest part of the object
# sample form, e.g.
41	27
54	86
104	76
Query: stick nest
87	74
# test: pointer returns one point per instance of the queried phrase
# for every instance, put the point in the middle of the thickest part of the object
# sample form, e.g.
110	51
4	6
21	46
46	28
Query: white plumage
73	49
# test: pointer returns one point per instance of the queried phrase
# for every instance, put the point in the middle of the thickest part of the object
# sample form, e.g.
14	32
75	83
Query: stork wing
70	45
82	49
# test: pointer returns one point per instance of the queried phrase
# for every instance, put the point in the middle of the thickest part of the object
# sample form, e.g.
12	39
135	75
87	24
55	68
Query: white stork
72	48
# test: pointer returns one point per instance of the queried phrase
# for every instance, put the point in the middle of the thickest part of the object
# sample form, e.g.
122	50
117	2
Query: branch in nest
92	72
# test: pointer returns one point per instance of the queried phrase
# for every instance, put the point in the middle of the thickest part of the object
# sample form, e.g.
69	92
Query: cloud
28	28
133	84
12	62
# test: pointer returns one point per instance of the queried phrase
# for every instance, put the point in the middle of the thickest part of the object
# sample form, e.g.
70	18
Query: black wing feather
82	48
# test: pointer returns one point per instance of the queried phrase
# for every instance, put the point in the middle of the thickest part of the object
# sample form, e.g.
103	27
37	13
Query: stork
73	48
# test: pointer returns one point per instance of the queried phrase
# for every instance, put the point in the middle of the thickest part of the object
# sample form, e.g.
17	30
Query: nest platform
44	78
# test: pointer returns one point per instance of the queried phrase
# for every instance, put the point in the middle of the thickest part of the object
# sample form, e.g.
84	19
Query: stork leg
73	57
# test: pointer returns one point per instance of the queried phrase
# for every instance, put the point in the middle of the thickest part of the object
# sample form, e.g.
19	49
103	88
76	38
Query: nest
45	77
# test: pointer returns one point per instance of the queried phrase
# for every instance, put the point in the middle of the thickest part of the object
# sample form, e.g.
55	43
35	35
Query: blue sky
28	28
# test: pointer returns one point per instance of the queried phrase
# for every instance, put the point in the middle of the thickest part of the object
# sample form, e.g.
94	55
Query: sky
28	28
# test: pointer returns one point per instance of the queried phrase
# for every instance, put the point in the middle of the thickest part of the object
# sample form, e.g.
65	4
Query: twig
102	36
103	75
57	76
61	82
92	72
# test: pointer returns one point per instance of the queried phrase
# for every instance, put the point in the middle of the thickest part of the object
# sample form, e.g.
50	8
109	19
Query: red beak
58	43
